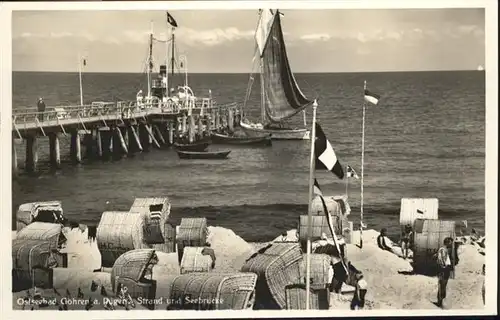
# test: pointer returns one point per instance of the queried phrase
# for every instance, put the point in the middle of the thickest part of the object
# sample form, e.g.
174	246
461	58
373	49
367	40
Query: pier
116	129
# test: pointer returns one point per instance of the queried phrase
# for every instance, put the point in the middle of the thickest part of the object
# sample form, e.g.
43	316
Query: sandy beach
391	283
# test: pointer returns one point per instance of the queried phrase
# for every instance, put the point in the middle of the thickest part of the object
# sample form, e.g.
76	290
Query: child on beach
405	240
358	300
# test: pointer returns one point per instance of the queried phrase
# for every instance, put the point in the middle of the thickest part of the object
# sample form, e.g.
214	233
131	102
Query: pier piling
75	147
151	137
121	140
31	154
107	143
159	134
98	138
144	137
133	140
88	142
171	126
54	150
14	157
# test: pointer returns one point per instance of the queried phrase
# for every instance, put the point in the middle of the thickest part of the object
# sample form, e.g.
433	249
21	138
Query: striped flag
332	230
325	154
317	189
351	173
155	215
371	97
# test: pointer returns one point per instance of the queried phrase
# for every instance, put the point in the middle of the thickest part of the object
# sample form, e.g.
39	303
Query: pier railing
30	118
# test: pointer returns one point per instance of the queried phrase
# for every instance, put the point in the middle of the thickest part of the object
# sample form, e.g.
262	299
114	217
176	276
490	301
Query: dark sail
283	98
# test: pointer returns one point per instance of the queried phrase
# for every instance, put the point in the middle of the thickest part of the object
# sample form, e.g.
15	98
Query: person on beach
208	251
444	269
361	287
405	240
284	236
386	244
381	240
40	108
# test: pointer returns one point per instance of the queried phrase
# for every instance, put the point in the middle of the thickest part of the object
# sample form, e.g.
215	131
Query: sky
333	40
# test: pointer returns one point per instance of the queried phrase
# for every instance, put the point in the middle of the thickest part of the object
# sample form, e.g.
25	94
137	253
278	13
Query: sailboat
281	97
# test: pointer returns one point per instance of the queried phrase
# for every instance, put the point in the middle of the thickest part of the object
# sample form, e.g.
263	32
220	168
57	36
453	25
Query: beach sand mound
393	286
231	251
83	252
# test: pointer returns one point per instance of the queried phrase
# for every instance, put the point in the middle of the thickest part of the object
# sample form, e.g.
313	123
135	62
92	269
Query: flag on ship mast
325	154
371	97
351	173
171	20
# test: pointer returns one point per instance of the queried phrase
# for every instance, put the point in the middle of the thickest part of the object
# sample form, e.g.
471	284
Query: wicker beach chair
208	291
277	265
319	226
192	233
319	299
51	232
117	233
156	212
48	211
320	275
33	262
131	269
197	259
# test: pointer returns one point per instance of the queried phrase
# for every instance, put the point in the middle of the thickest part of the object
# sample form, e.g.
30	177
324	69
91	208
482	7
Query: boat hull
250	141
276	134
203	155
197	146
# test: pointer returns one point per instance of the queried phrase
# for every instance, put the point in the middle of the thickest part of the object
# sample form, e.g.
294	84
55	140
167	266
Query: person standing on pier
140	99
41	109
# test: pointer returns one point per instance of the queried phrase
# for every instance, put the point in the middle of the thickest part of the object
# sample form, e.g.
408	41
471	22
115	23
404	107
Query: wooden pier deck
116	128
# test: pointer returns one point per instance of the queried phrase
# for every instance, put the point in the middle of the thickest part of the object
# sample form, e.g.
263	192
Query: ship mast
173	50
150	60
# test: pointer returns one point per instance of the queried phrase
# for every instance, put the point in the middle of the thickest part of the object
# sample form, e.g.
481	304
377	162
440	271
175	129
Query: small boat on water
219	138
203	154
199	146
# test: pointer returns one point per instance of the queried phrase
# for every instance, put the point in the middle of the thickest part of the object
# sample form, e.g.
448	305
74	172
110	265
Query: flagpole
309	211
362	170
80	76
347	182
166	56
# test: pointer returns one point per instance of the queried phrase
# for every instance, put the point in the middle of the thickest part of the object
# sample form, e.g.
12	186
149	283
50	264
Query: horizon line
215	72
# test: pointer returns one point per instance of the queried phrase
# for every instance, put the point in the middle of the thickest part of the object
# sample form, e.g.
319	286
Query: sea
425	139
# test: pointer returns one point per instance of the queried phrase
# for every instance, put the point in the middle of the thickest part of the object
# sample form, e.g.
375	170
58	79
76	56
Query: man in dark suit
41	109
